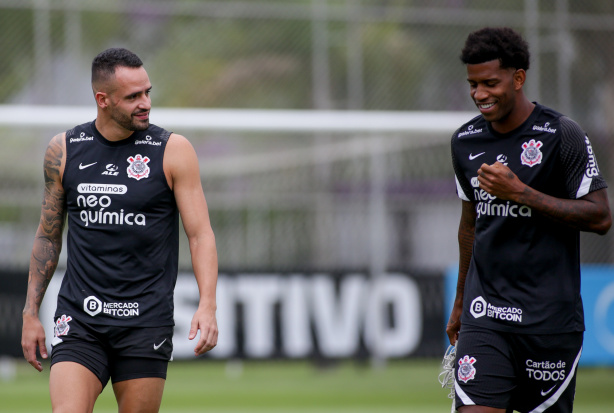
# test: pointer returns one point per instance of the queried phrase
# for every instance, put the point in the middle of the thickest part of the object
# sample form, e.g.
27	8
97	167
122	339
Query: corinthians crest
466	371
60	329
138	168
531	155
61	325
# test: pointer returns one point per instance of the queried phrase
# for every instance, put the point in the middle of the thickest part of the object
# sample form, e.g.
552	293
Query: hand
33	339
204	320
454	324
499	180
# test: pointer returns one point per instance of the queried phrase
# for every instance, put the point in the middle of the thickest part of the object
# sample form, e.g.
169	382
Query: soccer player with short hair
529	183
121	184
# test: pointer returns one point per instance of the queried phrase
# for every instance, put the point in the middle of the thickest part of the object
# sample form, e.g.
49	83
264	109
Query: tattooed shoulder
54	157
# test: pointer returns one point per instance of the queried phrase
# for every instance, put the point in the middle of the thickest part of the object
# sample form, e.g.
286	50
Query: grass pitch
294	387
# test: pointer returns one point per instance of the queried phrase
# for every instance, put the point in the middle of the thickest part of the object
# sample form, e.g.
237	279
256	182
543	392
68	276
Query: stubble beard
128	122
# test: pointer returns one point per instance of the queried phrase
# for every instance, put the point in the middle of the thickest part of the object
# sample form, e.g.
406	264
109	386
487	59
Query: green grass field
302	387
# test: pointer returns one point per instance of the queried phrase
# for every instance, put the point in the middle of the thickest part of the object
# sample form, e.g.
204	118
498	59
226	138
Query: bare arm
590	213
45	251
466	235
181	168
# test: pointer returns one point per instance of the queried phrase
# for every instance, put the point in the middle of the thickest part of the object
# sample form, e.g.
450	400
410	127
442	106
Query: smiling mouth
486	105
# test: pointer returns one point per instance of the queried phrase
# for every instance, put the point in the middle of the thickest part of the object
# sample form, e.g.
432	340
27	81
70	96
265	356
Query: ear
520	76
102	99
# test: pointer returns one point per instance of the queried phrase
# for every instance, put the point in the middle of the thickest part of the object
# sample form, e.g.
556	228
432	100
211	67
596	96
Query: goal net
286	189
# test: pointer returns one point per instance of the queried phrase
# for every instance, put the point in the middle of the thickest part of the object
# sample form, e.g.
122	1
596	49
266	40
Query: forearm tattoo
48	240
585	214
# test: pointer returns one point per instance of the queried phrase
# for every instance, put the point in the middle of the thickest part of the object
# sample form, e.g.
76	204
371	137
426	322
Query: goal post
251	120
287	190
287	187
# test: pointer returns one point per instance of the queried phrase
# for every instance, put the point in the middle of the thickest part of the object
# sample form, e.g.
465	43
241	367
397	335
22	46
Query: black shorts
527	373
119	353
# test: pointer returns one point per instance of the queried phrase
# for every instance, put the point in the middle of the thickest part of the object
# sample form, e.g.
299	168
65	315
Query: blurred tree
230	63
15	38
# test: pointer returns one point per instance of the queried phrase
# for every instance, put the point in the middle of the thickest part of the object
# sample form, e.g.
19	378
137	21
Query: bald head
105	64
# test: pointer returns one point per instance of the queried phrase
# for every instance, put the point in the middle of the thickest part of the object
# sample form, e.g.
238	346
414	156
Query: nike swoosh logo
472	156
160	345
546	392
81	166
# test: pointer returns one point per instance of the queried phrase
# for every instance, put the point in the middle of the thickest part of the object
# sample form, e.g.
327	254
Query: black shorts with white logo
118	353
527	373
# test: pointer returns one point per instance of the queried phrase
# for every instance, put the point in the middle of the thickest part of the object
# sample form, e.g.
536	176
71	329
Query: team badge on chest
466	371
138	168
531	155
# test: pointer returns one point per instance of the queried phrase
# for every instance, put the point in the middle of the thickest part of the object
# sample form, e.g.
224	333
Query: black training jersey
524	274
123	227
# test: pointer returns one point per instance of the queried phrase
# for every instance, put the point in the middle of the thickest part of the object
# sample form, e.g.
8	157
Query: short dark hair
104	65
492	43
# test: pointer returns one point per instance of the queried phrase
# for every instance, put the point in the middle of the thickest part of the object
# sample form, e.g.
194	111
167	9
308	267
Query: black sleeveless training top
123	227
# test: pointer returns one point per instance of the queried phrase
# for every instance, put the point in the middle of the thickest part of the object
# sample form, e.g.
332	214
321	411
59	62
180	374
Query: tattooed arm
466	235
590	213
46	250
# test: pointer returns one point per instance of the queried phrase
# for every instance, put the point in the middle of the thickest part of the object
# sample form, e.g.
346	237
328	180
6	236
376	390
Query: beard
128	122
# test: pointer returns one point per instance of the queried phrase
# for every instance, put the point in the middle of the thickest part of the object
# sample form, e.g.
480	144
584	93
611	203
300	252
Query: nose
145	102
479	93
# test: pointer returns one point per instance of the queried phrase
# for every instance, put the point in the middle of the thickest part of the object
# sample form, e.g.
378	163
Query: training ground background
322	129
294	387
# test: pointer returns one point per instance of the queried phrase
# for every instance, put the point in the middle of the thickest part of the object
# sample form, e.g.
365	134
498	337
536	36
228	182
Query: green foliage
15	36
233	63
198	55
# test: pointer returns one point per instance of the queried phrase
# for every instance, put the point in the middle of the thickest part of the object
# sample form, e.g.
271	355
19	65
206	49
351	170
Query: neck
110	129
521	113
